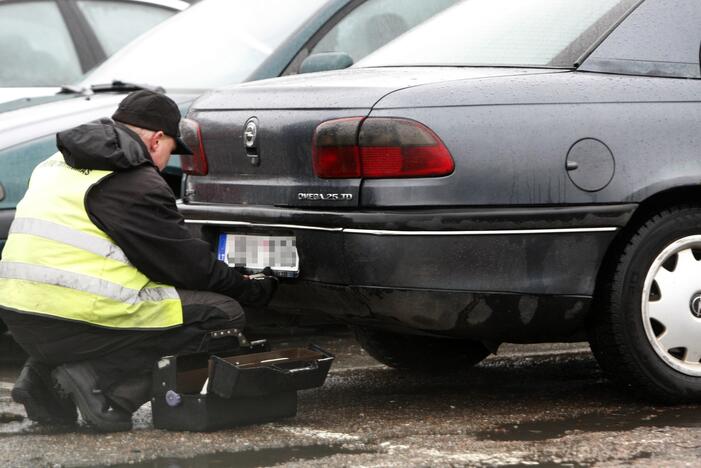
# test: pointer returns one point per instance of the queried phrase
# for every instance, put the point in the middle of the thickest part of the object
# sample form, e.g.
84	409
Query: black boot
34	389
131	392
79	381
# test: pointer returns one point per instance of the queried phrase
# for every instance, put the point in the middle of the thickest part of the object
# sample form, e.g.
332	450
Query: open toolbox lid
269	372
232	375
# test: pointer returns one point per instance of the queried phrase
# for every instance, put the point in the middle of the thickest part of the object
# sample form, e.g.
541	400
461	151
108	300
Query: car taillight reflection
195	163
378	147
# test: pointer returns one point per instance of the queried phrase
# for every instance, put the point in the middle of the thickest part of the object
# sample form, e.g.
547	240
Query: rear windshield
214	43
540	33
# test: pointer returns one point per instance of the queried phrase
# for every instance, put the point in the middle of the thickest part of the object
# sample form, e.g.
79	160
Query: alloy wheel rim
671	305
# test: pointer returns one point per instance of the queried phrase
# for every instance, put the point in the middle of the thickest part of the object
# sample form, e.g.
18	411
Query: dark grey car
509	171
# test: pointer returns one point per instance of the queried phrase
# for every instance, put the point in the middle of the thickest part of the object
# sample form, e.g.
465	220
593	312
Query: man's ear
155	140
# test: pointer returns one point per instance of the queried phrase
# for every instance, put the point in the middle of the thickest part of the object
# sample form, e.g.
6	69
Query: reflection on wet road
246	459
685	417
544	405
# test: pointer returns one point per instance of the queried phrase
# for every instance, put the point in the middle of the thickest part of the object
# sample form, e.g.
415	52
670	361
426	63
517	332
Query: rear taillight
195	163
378	147
335	152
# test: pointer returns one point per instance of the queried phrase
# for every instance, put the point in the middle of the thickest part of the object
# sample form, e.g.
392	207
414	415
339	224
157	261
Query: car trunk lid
258	136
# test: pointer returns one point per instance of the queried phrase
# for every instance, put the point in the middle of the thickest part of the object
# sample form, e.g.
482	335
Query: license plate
255	252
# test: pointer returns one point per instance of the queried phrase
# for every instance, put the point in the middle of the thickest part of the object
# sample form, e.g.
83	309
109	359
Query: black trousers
123	359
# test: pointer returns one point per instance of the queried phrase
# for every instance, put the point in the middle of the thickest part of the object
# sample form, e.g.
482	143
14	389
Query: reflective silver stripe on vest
65	235
88	284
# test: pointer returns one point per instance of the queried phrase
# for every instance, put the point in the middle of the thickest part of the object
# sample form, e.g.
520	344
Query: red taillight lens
335	152
195	163
391	147
383	147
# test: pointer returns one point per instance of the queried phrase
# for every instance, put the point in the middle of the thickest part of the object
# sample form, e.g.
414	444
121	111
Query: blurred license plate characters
255	252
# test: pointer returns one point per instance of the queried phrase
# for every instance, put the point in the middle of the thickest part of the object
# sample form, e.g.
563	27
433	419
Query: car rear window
543	33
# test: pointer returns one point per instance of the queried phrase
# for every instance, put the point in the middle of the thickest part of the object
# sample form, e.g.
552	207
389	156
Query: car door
17	163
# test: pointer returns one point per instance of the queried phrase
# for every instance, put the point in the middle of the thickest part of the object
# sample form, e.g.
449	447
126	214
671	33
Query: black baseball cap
152	111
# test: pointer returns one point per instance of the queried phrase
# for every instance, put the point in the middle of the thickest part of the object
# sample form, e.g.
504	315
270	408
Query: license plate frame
252	252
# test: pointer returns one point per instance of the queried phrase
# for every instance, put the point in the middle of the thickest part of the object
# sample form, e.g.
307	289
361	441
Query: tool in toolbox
227	385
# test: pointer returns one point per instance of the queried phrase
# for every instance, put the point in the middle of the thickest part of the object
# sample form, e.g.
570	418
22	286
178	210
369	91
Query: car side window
117	23
18	162
35	46
375	23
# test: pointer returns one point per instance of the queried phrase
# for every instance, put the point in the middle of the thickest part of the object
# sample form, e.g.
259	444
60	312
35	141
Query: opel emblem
696	305
250	132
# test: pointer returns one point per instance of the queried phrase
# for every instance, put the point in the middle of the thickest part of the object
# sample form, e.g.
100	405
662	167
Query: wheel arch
681	195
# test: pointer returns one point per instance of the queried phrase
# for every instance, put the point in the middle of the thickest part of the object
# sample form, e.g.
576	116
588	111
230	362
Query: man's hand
258	289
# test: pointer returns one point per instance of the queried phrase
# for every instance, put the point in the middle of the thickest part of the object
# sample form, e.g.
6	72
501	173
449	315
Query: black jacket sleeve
136	208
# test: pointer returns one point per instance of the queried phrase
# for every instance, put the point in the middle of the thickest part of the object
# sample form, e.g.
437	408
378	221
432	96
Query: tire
646	329
3	327
420	353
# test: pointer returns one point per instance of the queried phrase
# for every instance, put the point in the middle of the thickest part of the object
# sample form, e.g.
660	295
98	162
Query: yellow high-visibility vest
58	263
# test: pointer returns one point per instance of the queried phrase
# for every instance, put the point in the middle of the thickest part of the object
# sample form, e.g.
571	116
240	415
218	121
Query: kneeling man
100	277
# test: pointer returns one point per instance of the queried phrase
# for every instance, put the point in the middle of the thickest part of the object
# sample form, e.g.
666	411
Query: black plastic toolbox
206	392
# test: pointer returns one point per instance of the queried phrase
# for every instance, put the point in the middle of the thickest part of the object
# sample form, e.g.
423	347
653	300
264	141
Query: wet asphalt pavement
546	405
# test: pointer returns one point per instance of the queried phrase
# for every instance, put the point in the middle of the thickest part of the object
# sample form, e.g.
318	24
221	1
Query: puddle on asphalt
618	421
6	418
246	459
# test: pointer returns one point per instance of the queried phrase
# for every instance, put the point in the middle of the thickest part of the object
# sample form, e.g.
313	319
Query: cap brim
181	147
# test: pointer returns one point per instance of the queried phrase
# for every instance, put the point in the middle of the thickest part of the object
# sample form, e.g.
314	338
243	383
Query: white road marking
511	458
317	434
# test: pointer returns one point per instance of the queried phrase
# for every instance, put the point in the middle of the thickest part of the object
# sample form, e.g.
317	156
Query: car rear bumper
443	271
491	317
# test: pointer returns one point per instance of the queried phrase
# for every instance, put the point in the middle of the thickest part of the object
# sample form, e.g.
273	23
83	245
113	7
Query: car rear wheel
647	325
420	353
3	327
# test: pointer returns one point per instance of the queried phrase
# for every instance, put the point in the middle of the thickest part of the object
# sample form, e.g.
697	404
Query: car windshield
539	33
212	44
